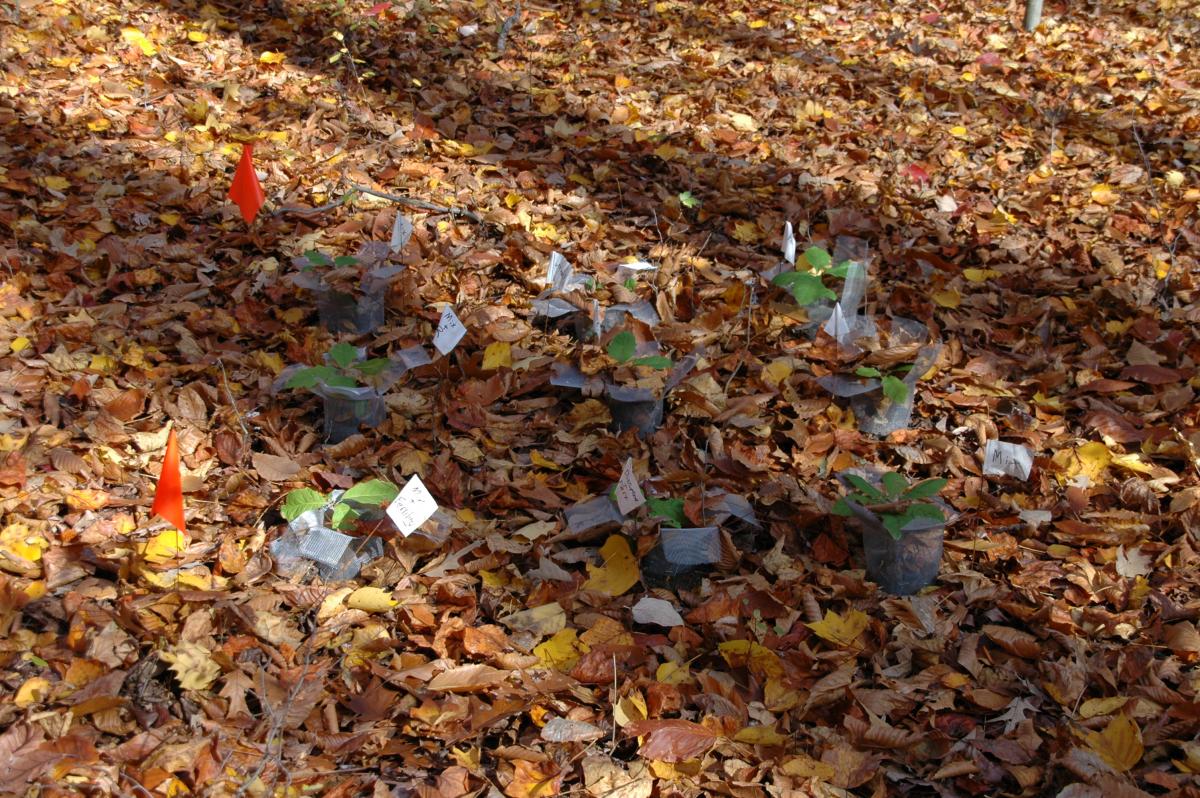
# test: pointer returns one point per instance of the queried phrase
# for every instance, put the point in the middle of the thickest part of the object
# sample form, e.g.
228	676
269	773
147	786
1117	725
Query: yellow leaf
138	39
746	231
630	708
164	546
32	691
497	355
968	77
758	23
371	599
760	735
621	82
1131	462
562	651
1103	194
193	665
1161	268
777	371
805	767
1102	706
270	360
197	36
55	183
18	540
98	125
538	460
743	122
673	673
513	199
619	571
1093	458
102	364
1120	744
758	659
947	298
979	275
838	630
666	151
269	57
958	131
20	344
545	231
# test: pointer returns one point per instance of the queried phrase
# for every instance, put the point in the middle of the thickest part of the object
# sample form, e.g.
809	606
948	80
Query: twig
502	39
237	413
320	209
419	204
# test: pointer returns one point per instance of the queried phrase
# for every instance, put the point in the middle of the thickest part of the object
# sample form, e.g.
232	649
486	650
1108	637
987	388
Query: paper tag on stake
789	244
1007	459
629	492
449	332
412	506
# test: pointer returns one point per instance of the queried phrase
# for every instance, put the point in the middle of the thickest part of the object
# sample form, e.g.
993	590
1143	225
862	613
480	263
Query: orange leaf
672	740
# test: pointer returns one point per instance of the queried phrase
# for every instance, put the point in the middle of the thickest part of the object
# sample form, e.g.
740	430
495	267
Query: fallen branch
355	188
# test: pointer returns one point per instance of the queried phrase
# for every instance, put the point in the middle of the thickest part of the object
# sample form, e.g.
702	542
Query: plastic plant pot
634	408
878	415
340	311
902	566
345	414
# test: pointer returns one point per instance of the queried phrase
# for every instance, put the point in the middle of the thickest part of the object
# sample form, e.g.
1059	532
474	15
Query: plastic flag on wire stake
168	495
245	190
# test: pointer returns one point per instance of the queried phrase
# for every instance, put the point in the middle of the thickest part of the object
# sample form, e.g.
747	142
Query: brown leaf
468	679
1014	641
672	740
274	468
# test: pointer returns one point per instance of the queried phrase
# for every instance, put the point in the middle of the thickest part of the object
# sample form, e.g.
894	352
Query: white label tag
629	492
449	332
789	244
1007	460
411	507
837	327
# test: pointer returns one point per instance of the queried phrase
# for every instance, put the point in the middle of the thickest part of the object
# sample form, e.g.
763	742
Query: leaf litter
1030	198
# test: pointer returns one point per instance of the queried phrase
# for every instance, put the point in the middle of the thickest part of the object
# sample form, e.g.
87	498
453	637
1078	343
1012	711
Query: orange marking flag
246	191
168	496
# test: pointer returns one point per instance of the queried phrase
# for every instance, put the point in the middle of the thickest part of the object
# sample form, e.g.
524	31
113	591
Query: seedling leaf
806	288
373	366
866	488
307	378
301	501
925	489
817	258
895	389
343	354
868	371
654	361
622	346
894	484
318	258
688	200
345	260
669	510
372	492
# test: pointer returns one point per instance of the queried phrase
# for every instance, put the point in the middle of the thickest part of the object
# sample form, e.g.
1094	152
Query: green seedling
896	502
623	346
343	370
349	507
670	511
806	284
894	388
688	200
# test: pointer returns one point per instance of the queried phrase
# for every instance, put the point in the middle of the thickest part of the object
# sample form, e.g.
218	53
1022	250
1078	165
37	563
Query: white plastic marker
449	332
1007	459
402	230
837	326
411	507
629	492
789	244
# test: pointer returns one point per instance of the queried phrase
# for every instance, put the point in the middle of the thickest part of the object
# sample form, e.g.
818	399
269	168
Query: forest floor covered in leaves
1031	198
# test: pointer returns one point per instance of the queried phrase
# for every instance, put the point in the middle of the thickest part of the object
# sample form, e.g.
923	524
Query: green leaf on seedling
867	371
373	492
894	484
631	283
343	354
318	258
893	523
840	271
301	501
669	510
805	287
688	200
817	258
373	366
925	489
920	511
866	488
841	508
307	378
622	346
341	381
654	361
895	389
343	516
345	260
